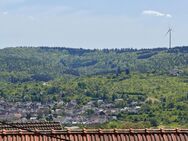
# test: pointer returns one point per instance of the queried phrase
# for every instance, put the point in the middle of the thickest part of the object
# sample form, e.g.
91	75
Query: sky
93	23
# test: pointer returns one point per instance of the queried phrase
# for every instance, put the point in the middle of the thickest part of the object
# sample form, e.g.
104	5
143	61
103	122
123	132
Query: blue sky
93	23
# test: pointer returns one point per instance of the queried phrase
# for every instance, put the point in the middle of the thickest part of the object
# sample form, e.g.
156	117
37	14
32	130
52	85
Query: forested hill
143	88
22	64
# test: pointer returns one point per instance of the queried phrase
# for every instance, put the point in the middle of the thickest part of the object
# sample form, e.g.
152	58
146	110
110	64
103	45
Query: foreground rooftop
96	135
31	126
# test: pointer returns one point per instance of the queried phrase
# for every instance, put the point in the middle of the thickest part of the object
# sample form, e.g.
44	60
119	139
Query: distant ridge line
93	49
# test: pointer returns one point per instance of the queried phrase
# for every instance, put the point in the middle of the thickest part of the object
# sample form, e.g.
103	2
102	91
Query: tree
154	122
127	71
118	70
170	105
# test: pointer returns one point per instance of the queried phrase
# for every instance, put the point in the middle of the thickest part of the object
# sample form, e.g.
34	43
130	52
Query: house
175	72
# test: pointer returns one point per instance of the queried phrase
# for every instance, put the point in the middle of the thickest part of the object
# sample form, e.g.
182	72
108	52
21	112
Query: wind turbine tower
170	37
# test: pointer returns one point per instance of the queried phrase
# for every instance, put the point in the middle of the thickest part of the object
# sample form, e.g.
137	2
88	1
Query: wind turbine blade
167	32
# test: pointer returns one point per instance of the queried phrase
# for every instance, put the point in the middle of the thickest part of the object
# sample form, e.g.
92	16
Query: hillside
23	64
148	87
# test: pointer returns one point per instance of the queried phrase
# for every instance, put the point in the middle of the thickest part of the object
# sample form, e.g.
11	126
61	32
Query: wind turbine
170	36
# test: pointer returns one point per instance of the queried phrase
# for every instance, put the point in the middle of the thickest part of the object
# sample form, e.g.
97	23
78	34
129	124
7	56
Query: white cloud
156	13
168	15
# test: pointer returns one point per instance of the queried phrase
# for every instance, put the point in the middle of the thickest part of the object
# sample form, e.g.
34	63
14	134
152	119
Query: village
94	112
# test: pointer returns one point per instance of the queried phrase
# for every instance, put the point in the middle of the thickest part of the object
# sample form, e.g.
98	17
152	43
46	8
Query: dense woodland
156	77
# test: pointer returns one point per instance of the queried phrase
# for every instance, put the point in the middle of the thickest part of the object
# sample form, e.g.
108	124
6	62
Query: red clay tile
32	126
95	135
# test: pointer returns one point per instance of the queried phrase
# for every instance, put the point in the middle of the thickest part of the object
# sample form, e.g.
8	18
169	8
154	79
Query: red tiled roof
31	126
96	135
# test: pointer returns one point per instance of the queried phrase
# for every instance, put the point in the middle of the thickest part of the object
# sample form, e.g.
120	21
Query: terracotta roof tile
96	135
